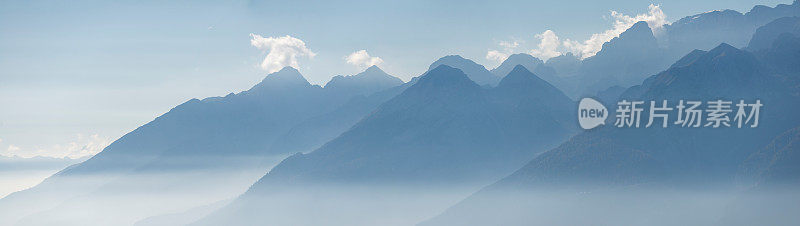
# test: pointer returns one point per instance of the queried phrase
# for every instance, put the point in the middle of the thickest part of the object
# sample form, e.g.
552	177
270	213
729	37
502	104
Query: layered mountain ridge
445	130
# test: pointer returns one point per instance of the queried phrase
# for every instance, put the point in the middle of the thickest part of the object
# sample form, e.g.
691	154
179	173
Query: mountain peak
287	74
724	48
639	25
371	73
286	77
638	30
288	68
455	61
524	56
374	69
702	74
526	60
444	71
704	19
767	34
638	37
454	56
521	76
520	79
689	58
518	73
371	80
726	52
474	71
444	75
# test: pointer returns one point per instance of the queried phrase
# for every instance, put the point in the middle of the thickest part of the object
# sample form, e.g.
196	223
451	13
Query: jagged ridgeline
464	145
203	150
444	132
668	176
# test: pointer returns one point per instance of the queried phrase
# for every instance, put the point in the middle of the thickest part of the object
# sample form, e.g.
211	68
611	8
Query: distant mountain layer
647	160
703	31
445	106
782	52
443	130
767	34
236	137
624	61
18	173
771	177
372	80
474	71
369	89
639	53
459	123
775	165
533	64
527	61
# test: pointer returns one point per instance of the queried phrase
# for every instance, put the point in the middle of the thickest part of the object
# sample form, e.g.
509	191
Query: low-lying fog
17	173
221	197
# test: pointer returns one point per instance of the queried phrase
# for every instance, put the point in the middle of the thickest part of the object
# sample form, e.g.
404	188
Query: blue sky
76	75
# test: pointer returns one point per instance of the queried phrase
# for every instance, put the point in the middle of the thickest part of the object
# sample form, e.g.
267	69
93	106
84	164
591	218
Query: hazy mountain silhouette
606	160
425	115
610	95
442	131
371	88
459	127
526	60
776	165
371	80
637	53
228	137
474	71
767	34
19	173
723	72
773	169
781	55
624	61
566	65
706	30
533	64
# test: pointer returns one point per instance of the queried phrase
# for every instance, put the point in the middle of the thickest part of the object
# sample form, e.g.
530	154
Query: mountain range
369	149
639	52
537	66
474	71
445	130
628	165
214	147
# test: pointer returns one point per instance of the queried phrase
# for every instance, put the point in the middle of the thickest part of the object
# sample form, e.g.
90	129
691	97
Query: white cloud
509	45
548	45
362	59
655	19
12	149
496	55
508	48
281	51
82	146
